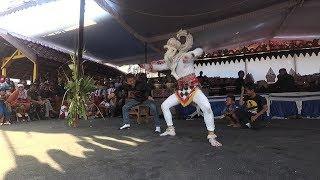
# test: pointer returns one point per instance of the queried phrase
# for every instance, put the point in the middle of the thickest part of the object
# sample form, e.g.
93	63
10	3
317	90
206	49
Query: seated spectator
39	105
141	94
4	108
239	82
229	111
285	82
91	107
20	102
110	89
200	77
249	79
25	84
59	93
46	92
253	108
262	86
10	84
64	111
99	94
112	99
105	106
119	81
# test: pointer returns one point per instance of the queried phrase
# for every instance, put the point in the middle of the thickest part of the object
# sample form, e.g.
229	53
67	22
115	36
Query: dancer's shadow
30	167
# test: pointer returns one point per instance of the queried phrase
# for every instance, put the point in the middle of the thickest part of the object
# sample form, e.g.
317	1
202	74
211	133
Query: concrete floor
288	149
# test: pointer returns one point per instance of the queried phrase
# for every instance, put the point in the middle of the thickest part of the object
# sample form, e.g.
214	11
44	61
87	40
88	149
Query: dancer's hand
147	67
187	57
150	98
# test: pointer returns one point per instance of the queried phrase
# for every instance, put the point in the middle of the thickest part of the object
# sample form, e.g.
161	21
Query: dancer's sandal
212	140
170	131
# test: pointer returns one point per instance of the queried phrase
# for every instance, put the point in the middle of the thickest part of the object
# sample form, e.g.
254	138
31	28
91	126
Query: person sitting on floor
141	94
253	108
229	111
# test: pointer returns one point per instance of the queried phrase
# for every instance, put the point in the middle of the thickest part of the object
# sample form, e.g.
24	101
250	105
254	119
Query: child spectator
229	111
64	111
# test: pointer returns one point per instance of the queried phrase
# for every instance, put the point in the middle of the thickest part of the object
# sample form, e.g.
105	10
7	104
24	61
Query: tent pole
245	67
146	52
295	63
80	35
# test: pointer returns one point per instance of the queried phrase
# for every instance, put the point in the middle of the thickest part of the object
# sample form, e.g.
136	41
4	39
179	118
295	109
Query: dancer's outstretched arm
191	55
155	66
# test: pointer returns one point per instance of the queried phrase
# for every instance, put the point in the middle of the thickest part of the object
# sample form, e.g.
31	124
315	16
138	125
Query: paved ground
50	150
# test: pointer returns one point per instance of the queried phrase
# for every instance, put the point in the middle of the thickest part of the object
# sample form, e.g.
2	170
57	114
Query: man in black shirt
253	108
285	82
138	92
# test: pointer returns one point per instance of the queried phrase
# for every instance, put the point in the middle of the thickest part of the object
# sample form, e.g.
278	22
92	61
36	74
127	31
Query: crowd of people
23	102
222	86
285	83
115	97
43	100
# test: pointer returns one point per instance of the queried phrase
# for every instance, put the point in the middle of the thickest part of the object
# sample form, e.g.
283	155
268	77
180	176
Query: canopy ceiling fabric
47	55
215	24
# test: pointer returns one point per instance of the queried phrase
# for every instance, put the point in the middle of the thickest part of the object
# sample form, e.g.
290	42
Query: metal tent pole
80	35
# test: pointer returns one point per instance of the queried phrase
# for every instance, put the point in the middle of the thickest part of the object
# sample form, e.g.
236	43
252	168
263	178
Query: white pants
200	99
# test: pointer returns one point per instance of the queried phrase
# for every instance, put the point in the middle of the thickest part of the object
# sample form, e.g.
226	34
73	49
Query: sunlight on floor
89	140
15	144
136	139
117	140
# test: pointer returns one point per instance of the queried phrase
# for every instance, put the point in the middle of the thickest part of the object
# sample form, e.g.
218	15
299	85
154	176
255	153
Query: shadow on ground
285	150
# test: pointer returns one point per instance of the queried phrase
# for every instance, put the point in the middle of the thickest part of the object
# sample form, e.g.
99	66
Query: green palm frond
78	88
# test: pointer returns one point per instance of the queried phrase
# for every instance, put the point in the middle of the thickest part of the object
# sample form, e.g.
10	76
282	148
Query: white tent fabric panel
304	66
259	69
308	65
221	70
